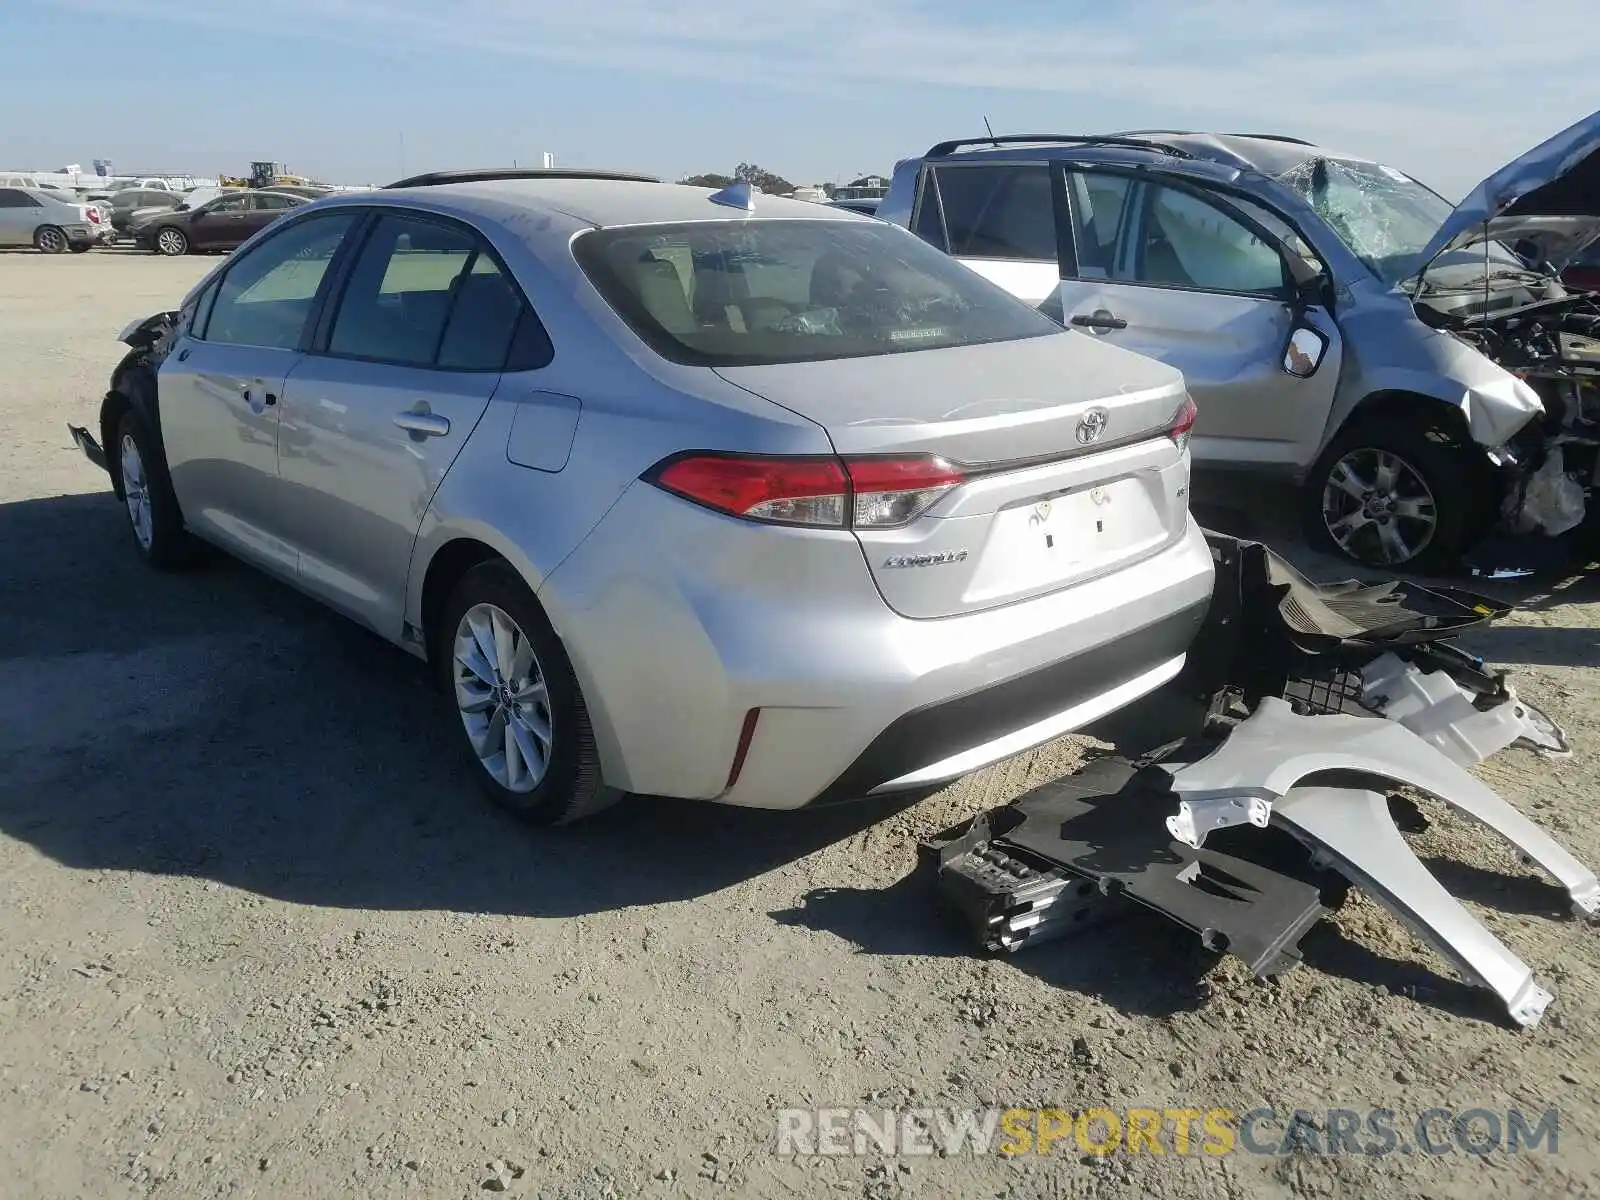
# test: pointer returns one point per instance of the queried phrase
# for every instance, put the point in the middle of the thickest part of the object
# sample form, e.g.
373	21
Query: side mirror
1304	354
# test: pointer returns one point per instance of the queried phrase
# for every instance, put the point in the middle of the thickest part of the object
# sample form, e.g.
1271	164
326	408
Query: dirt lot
260	937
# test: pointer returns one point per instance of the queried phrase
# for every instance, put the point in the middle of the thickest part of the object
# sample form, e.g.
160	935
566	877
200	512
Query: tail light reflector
1183	422
870	492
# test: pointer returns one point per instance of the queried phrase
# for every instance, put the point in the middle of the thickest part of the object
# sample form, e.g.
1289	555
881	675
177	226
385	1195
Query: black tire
80	247
1449	474
571	787
50	239
169	547
171	241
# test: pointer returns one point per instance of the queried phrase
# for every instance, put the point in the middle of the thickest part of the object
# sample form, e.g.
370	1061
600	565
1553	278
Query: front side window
1187	242
266	297
732	293
229	204
1099	209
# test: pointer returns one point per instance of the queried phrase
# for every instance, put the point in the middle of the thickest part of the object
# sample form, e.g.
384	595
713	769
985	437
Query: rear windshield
745	293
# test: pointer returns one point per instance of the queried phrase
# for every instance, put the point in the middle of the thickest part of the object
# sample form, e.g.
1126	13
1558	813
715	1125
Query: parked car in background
131	204
48	221
839	515
866	206
1337	321
221	223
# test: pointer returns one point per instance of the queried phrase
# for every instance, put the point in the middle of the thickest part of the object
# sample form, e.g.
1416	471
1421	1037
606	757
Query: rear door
264	210
1169	271
400	373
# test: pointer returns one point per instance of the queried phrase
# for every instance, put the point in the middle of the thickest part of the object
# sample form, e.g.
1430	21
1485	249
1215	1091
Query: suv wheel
521	714
1390	494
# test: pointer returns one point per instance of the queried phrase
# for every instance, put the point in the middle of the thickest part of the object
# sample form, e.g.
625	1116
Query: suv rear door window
1000	211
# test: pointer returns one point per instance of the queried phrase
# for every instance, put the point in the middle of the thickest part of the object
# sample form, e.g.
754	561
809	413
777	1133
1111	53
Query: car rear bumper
681	623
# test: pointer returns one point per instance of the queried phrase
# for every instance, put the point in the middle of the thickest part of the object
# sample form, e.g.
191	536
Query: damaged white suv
1419	368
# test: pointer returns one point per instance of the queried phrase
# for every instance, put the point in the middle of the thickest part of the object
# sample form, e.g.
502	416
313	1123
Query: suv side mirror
1305	351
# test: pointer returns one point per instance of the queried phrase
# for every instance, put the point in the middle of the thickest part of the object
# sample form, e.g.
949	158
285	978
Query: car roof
1185	150
596	202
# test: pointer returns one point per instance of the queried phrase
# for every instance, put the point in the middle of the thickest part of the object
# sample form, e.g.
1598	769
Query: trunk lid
1063	439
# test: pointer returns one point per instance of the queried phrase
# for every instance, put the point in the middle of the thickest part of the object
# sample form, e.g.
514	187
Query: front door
220	223
221	389
1165	271
374	419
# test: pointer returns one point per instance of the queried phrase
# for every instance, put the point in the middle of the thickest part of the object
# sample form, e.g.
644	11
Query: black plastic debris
1071	853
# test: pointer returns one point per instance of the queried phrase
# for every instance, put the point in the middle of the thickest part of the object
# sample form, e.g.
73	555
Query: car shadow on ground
216	724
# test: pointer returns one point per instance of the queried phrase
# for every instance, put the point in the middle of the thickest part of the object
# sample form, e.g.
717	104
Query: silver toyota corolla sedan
681	493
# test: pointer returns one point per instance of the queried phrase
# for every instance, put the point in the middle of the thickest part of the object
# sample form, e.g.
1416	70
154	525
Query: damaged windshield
1382	215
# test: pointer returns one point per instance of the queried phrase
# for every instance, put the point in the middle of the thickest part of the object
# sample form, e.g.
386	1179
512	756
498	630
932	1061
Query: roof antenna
989	129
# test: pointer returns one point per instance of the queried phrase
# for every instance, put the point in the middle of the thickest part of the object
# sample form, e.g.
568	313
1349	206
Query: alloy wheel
170	241
1378	507
52	241
136	492
503	698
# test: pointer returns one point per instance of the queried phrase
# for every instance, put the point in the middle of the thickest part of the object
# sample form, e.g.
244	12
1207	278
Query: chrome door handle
423	424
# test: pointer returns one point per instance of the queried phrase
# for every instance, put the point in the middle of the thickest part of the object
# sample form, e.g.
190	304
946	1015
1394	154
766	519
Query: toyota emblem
1092	424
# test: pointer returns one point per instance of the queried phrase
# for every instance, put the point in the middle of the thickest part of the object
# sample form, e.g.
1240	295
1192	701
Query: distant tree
708	181
762	179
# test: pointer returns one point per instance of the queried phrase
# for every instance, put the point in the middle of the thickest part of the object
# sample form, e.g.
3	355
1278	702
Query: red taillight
93	214
829	493
1183	422
892	491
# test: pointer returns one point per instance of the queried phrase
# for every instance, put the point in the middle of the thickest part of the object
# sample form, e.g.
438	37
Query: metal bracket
1196	818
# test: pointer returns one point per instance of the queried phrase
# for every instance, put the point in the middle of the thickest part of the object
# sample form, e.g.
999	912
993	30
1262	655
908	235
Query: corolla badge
1092	424
926	560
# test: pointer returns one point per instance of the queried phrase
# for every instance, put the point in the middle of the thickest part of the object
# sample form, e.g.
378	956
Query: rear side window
11	198
732	293
427	294
998	211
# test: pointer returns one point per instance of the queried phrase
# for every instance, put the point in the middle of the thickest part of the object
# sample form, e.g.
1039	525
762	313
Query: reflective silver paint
678	620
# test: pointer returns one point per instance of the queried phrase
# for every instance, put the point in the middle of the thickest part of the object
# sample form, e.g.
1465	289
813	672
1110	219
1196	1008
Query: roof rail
1006	139
1275	137
491	174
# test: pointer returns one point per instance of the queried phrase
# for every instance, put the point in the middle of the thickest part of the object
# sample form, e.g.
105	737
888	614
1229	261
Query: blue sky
812	89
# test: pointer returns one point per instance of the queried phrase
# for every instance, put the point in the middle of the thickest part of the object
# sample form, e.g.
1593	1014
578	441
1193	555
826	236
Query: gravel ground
262	938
